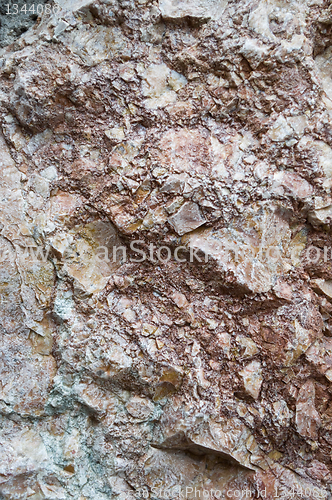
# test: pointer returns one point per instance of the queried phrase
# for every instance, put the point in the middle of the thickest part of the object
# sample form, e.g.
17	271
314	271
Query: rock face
17	18
166	250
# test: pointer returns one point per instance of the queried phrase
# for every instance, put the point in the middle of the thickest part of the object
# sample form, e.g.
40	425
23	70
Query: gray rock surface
165	251
16	17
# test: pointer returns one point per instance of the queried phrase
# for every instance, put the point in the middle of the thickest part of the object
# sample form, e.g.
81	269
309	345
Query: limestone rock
307	417
187	219
201	9
165	249
255	249
252	378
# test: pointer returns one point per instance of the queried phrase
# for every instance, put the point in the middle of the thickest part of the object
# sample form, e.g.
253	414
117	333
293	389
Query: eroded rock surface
166	251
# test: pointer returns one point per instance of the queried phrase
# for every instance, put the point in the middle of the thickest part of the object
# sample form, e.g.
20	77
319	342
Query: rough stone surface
166	250
17	17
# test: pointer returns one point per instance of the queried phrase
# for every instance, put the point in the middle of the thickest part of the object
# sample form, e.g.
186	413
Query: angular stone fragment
250	347
321	216
320	355
88	254
299	343
97	44
26	374
323	62
187	218
22	451
254	51
307	417
282	413
280	130
180	299
256	249
252	378
201	9
160	85
298	124
323	153
140	408
294	184
324	286
74	5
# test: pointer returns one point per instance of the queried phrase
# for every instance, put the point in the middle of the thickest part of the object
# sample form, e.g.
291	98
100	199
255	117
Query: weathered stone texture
203	127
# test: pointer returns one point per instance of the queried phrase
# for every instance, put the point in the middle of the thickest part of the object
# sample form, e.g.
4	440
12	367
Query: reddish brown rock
307	417
165	251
